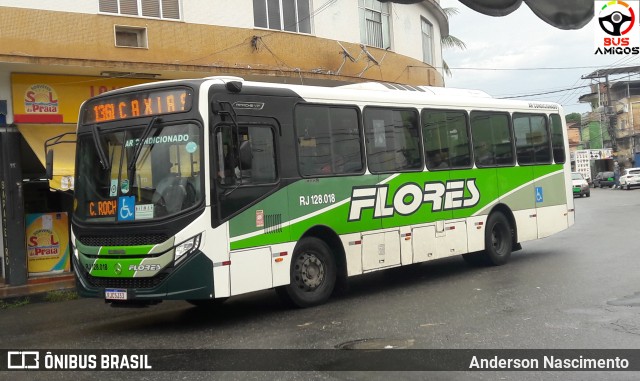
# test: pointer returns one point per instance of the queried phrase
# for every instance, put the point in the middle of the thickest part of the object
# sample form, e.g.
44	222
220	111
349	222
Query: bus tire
207	303
313	274
497	239
497	243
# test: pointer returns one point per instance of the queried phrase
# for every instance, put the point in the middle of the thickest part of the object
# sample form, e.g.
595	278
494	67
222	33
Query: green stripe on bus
492	183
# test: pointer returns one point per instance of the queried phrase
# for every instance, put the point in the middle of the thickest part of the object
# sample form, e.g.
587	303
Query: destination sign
106	208
137	104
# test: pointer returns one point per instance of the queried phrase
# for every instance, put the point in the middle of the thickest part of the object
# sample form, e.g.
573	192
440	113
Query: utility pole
609	112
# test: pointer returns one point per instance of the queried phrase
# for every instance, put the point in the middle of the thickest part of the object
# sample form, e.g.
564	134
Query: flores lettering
144	267
409	197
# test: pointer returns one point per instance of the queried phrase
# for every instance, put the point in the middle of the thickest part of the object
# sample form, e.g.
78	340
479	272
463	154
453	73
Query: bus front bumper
192	279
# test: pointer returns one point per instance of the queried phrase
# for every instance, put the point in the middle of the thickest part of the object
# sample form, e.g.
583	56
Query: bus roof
383	93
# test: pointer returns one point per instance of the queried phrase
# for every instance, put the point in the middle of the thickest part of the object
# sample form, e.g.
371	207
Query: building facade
614	121
57	53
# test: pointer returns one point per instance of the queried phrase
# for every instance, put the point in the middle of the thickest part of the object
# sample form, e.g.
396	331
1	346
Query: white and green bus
204	189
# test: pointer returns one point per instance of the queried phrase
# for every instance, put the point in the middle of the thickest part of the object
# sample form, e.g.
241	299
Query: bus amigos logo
409	197
617	31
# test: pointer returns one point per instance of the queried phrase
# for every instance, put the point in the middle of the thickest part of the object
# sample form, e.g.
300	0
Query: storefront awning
63	154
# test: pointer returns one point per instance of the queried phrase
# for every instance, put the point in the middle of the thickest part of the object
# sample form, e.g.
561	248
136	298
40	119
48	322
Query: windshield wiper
104	161
138	147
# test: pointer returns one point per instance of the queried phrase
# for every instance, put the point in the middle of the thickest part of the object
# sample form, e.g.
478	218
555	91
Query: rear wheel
497	242
313	274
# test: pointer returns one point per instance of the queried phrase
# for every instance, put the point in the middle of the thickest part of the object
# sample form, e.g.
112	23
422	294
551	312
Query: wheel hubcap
310	271
497	239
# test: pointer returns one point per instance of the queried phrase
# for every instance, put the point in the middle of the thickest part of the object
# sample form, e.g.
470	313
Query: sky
521	40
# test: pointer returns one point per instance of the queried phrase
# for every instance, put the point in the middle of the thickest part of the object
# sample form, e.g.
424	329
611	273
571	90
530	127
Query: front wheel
313	274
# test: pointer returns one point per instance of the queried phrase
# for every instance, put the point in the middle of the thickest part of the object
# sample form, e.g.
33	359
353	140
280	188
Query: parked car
603	179
580	185
630	178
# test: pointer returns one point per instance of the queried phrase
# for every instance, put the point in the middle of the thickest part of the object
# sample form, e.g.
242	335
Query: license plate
576	189
115	294
610	179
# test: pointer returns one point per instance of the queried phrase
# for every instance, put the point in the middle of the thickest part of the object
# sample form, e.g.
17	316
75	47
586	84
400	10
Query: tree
450	41
573	117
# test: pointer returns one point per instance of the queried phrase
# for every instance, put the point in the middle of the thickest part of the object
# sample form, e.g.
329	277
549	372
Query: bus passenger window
492	143
328	139
393	140
557	139
532	139
446	139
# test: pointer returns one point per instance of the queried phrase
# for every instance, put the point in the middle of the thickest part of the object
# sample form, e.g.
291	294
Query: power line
555	91
543	93
525	68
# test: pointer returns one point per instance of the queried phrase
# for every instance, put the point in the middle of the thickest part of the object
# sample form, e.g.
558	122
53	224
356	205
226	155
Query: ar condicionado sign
106	208
138	104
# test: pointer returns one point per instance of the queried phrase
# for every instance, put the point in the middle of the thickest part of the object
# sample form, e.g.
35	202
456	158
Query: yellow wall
75	39
67	91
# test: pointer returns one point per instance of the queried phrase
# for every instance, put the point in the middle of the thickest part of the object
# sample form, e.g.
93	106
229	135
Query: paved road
572	290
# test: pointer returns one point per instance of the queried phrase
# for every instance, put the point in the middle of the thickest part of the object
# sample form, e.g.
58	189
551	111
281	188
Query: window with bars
427	41
288	15
163	9
374	23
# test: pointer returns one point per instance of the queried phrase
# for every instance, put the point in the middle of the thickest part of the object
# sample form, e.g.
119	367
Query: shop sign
47	237
43	98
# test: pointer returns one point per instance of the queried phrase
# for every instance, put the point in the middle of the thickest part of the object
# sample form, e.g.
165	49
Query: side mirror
49	164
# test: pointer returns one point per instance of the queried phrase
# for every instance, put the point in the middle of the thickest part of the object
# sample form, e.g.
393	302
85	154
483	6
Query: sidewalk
37	288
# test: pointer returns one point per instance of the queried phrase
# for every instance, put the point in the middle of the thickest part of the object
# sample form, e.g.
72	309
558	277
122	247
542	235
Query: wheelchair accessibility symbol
126	208
539	194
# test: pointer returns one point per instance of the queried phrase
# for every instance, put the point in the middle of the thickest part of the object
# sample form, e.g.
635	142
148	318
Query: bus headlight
187	247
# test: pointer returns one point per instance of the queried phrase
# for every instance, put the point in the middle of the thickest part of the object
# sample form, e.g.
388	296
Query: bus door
246	177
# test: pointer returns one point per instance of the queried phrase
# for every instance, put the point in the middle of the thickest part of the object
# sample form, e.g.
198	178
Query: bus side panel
352	244
281	263
216	247
250	270
551	197
475	233
517	190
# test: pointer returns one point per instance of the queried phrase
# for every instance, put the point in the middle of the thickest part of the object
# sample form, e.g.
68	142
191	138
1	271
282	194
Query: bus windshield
162	180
